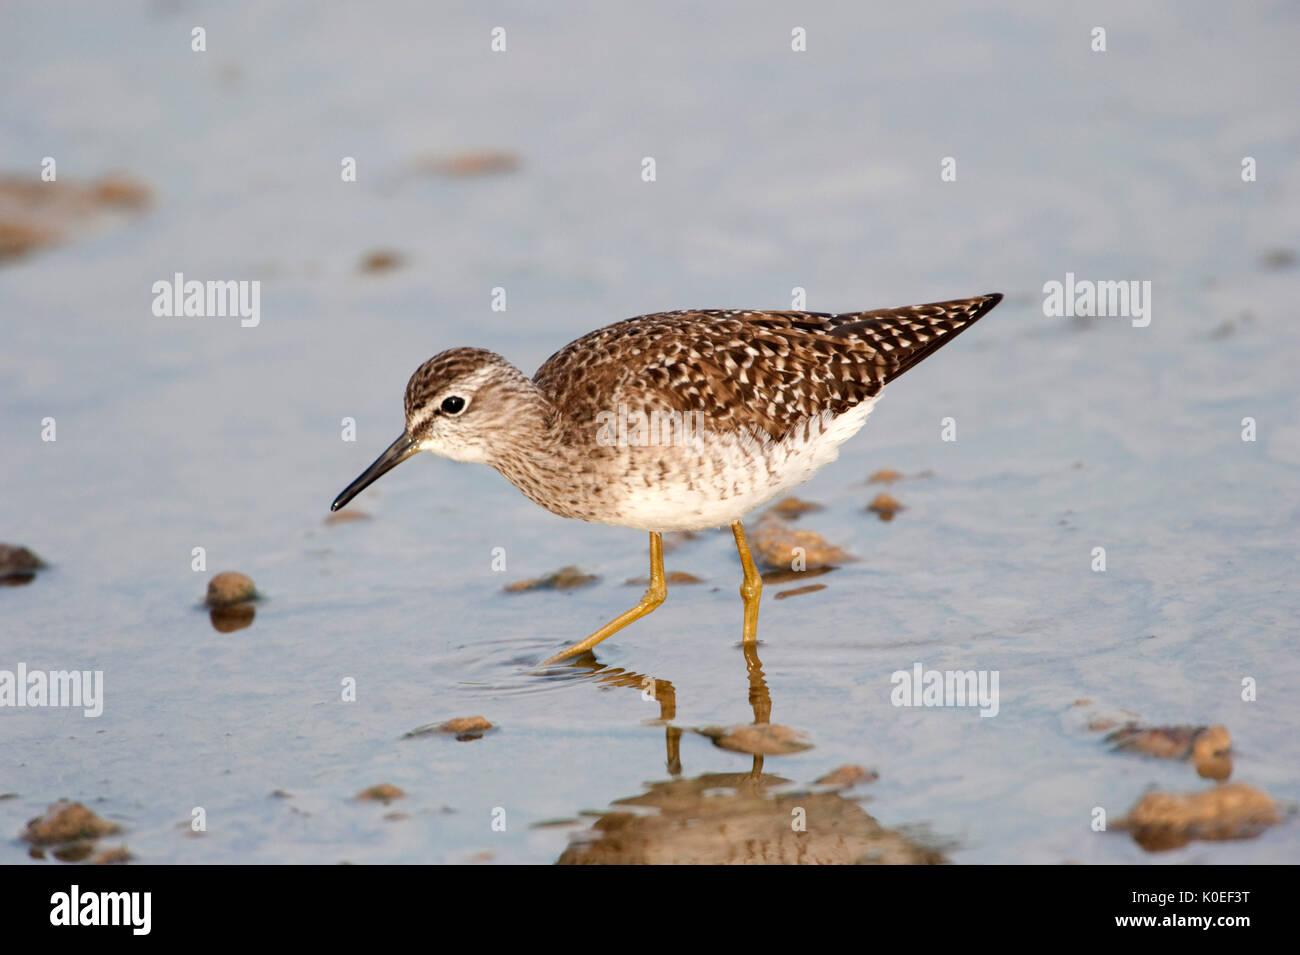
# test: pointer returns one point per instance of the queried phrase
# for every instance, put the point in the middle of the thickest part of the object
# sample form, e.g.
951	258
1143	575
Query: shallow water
775	170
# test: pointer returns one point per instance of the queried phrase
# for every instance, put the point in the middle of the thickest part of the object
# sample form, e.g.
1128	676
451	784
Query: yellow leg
654	596
751	588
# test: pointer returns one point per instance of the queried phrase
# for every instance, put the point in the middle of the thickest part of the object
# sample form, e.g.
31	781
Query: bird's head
461	404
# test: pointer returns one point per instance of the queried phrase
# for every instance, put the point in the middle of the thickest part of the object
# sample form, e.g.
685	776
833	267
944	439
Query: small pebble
776	541
67	822
1168	820
383	792
18	560
885	476
799	591
758	739
381	260
229	587
885	507
566	578
791	507
464	728
847	776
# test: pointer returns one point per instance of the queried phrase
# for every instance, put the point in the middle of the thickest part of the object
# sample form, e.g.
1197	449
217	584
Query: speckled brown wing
743	370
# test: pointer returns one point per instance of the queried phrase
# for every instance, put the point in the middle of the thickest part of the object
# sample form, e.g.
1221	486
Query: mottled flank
676	420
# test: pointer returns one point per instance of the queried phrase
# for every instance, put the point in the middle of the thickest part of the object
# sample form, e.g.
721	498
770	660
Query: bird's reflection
731	818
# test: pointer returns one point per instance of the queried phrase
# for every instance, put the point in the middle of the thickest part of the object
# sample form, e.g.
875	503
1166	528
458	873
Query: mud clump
381	260
35	214
229	588
885	476
566	578
800	591
848	776
382	792
792	507
470	164
66	823
18	565
672	578
782	546
1209	748
884	506
758	739
464	728
1163	821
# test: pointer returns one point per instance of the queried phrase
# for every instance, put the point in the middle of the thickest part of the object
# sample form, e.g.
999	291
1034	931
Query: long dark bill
397	452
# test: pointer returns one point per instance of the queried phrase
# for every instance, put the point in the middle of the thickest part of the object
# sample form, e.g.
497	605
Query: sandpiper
674	421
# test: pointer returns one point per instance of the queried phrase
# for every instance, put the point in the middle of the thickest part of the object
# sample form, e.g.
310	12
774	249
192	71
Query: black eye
453	404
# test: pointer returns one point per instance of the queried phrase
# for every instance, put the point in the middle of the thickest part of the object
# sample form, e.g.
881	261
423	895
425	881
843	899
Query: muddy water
774	170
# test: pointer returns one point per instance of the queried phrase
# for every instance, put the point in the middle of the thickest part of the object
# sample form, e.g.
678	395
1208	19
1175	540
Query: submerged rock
884	506
782	546
566	578
464	728
18	561
230	587
758	739
848	776
382	792
67	822
791	507
1169	820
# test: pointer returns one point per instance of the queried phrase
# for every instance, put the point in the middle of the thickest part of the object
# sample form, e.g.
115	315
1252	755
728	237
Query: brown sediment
800	591
347	516
381	260
469	164
884	506
848	776
230	587
672	577
464	728
792	507
780	545
1208	747
758	739
35	213
232	618
885	476
67	822
566	578
733	819
381	792
18	561
1163	820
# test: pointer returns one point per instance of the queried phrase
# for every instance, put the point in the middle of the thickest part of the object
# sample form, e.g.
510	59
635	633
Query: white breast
723	479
